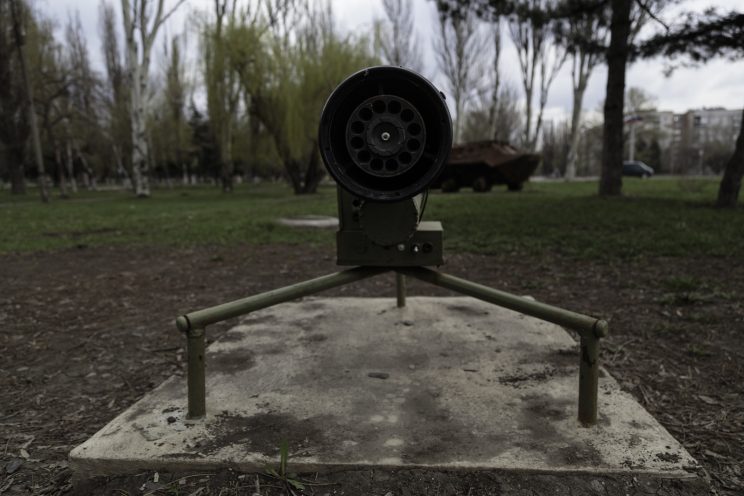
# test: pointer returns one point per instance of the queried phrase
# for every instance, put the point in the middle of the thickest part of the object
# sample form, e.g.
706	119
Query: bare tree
587	35
118	124
459	50
51	94
19	36
503	123
625	23
586	32
82	125
397	37
14	128
540	59
168	128
638	100
141	27
222	82
493	110
555	148
176	87
495	113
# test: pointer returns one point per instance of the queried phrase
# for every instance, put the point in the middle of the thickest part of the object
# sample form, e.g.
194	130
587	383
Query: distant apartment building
694	142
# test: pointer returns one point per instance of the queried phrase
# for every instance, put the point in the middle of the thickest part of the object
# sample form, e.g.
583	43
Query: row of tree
265	68
586	33
262	75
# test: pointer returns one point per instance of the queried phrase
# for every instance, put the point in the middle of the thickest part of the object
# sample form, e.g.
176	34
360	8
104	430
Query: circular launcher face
385	136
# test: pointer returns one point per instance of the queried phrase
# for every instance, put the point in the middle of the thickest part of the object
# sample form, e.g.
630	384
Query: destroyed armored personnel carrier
482	164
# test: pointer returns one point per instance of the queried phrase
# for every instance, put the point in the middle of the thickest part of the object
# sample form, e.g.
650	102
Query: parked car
636	168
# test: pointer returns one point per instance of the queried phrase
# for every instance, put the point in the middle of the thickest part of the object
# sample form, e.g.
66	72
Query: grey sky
718	83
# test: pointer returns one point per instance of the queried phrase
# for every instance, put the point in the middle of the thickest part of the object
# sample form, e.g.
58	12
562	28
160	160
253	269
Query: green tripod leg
400	289
194	323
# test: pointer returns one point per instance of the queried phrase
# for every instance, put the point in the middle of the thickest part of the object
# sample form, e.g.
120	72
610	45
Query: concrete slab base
350	383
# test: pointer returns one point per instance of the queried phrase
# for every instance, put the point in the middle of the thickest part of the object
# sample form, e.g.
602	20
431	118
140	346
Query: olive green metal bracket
194	323
400	289
589	329
195	346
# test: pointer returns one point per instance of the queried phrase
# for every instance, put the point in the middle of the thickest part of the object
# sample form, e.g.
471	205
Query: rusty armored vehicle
482	164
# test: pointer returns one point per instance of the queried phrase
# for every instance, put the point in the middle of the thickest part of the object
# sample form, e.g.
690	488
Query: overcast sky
718	83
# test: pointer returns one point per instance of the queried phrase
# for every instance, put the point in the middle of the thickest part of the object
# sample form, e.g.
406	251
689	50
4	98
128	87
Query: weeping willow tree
302	58
221	56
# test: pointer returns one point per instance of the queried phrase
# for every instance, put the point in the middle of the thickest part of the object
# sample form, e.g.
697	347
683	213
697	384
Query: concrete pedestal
349	383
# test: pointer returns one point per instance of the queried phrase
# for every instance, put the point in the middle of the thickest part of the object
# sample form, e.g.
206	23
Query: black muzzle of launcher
385	135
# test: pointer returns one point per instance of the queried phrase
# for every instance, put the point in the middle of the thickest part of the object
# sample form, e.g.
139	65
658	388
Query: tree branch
653	16
160	18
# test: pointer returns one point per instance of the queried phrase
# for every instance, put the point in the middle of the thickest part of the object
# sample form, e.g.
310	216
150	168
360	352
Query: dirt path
85	333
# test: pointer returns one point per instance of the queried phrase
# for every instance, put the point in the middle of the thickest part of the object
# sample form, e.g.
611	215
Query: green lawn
657	217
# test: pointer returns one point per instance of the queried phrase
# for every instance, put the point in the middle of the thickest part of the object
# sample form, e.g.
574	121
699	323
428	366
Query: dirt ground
86	332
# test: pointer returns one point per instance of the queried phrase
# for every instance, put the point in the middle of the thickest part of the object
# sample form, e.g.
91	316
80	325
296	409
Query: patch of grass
290	481
180	217
708	318
682	284
687	298
686	290
657	217
697	351
665	329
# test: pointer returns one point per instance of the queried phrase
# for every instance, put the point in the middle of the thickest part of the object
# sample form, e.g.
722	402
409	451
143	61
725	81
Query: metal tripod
589	329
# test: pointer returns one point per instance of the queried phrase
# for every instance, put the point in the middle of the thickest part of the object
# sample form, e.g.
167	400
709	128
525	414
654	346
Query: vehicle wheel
481	185
450	185
514	186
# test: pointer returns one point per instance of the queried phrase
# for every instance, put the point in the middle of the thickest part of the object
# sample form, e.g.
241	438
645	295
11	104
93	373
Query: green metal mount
386	234
589	328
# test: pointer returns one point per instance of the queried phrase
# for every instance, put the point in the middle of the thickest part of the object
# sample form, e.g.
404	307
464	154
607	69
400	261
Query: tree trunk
581	73
70	166
493	110
140	168
540	111
295	177
728	191
528	119
93	181
314	173
17	170
308	182
121	171
60	171
137	71
573	143
529	136
194	171
611	181
227	167
226	177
